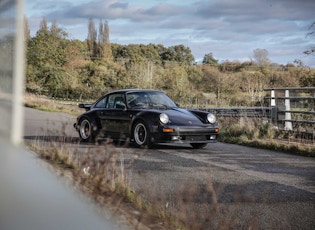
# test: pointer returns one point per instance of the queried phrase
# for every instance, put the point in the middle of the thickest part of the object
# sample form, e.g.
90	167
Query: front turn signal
168	130
216	130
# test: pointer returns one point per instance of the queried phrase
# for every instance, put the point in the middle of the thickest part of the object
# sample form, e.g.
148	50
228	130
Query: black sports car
145	117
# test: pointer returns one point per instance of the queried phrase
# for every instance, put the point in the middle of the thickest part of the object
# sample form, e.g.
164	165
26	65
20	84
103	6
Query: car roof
132	90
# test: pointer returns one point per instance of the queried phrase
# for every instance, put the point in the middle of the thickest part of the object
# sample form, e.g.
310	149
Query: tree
43	27
27	33
261	57
209	60
217	82
178	53
309	34
106	45
46	56
91	39
254	83
100	40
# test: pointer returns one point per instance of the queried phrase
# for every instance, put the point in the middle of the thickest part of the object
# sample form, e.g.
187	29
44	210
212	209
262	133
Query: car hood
179	116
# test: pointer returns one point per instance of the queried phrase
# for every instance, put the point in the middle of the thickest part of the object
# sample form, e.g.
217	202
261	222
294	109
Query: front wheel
141	135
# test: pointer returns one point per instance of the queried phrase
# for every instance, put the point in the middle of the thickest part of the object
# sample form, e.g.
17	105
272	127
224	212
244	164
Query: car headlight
164	118
211	118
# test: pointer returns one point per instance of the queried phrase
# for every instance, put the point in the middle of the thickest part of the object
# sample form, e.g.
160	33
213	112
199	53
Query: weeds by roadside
45	104
259	133
102	175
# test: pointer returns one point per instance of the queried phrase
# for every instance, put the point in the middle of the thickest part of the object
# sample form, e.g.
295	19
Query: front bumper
184	134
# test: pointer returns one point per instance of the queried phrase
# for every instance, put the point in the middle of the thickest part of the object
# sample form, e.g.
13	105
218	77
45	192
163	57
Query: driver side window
115	101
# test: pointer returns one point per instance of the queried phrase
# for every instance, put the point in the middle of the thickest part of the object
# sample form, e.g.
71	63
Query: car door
114	117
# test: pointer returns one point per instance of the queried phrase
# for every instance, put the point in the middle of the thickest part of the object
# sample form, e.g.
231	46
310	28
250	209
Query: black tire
85	130
141	135
198	145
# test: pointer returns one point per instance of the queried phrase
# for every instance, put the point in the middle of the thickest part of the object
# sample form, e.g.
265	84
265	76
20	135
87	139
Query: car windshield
149	99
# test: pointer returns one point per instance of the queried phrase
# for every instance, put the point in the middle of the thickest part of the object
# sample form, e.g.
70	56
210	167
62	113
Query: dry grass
102	171
101	174
45	104
257	132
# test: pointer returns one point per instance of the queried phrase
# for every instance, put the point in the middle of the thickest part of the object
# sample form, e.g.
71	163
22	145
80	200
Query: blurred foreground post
18	77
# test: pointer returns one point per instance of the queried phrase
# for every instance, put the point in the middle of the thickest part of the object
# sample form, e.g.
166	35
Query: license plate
195	138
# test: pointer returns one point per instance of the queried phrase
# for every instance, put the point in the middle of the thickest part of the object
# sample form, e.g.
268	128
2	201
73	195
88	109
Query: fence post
273	107
273	98
288	123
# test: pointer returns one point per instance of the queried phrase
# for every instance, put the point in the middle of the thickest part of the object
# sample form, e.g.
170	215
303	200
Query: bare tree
104	47
107	47
43	27
91	40
101	40
309	34
261	57
254	83
27	33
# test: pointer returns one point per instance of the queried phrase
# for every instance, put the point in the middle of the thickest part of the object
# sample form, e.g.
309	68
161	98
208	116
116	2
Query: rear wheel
85	130
198	145
141	135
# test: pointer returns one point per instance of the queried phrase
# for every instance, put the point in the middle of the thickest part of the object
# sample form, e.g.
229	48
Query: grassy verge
256	132
101	174
45	104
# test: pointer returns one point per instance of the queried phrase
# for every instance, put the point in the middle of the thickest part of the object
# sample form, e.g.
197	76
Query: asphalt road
222	186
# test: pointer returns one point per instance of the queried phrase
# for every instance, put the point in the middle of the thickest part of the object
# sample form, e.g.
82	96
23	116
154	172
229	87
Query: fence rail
279	110
241	112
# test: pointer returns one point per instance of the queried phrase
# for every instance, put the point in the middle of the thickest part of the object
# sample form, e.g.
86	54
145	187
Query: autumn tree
254	83
216	82
46	57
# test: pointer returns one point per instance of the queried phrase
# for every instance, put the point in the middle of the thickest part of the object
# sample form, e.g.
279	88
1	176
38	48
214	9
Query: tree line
60	67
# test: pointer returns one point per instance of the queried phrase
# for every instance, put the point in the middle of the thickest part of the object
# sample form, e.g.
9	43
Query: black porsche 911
145	117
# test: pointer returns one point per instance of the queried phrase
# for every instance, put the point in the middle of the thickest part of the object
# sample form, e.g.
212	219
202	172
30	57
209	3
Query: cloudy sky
229	29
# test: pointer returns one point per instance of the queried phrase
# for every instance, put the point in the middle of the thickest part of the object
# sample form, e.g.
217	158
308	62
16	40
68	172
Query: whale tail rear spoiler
87	107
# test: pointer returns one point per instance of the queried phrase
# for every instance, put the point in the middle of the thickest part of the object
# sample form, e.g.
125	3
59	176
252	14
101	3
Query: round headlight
211	118
164	118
